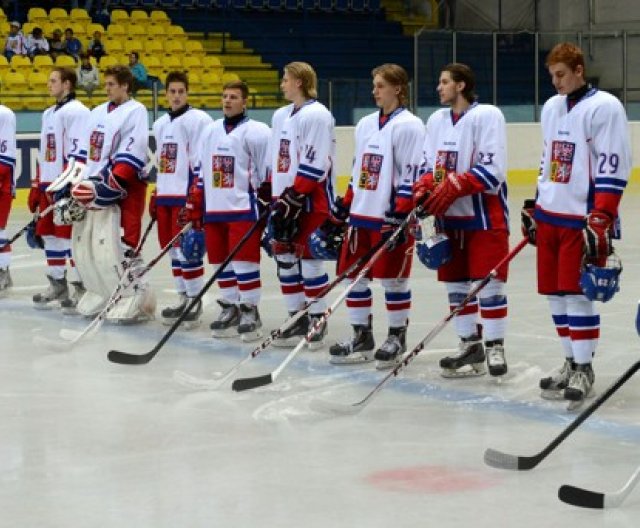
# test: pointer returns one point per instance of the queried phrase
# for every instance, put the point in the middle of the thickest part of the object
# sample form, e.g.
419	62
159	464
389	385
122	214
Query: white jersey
476	144
586	152
385	167
118	136
303	145
8	140
63	136
177	156
233	165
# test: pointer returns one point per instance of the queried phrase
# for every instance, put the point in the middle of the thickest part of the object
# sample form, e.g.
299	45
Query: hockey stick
502	460
24	228
125	358
326	406
242	384
593	499
186	379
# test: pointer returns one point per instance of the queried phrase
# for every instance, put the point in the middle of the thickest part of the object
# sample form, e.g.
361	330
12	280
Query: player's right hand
422	189
33	201
527	221
194	208
153	206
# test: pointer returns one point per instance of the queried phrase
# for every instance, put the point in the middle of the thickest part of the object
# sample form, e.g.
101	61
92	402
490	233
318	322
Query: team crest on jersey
446	162
284	158
370	171
50	151
168	157
562	153
223	171
96	143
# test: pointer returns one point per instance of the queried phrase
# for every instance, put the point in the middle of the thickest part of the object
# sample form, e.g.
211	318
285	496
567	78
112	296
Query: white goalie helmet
67	211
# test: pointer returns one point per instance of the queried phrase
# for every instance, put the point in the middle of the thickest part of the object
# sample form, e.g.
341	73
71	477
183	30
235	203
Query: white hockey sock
291	287
314	280
466	322
397	296
5	252
228	286
584	327
249	284
558	306
359	302
493	310
55	250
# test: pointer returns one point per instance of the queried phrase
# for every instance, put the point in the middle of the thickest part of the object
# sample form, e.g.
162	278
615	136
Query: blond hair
305	73
396	76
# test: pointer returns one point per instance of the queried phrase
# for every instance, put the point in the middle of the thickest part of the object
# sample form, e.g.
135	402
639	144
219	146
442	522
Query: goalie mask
67	211
601	283
435	251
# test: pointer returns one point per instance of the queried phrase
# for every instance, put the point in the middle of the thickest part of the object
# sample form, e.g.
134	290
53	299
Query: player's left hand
597	234
391	223
444	194
422	189
288	206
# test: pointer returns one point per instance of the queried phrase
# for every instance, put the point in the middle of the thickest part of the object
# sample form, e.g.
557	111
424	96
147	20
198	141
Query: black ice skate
172	313
391	351
580	386
56	292
552	387
357	350
69	304
226	325
496	361
250	323
292	335
317	339
467	362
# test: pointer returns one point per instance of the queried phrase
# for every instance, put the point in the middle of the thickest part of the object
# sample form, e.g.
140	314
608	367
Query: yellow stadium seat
212	65
79	16
27	28
136	32
13	89
154	65
37	15
116	31
114	47
159	18
176	33
119	16
65	61
50	27
92	28
108	60
59	15
194	48
229	77
38	96
4	66
140	17
153	47
79	30
173	47
133	45
172	63
20	64
4	28
42	63
192	65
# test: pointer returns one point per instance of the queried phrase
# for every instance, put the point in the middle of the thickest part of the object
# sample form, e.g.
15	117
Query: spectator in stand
87	74
72	46
56	44
14	45
140	75
96	46
36	44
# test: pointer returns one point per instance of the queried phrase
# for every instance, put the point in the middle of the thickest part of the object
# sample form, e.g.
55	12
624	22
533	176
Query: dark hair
462	73
122	75
69	29
177	76
237	85
136	54
67	74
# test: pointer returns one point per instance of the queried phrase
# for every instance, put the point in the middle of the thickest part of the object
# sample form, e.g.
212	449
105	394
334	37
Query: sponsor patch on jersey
562	153
446	162
223	171
50	150
370	171
284	158
168	158
96	144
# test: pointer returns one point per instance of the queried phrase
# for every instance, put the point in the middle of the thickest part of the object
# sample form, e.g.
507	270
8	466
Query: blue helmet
34	241
192	245
435	251
326	241
601	283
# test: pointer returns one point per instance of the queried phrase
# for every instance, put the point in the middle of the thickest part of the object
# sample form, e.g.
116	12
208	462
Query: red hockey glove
153	206
34	195
454	186
527	221
193	210
597	235
422	189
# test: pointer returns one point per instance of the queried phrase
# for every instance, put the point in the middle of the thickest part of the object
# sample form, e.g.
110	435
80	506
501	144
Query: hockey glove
597	235
340	211
263	196
153	206
193	209
99	191
325	242
454	186
391	223
285	213
34	195
422	189
527	221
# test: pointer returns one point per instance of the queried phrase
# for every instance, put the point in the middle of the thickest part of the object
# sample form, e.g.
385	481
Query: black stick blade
500	460
581	497
242	384
124	358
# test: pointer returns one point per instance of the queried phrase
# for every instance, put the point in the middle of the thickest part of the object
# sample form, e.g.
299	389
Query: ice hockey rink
88	443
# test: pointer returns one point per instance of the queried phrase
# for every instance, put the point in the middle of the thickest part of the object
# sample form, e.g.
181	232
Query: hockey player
388	155
7	189
302	154
464	186
177	136
233	161
63	139
585	167
114	193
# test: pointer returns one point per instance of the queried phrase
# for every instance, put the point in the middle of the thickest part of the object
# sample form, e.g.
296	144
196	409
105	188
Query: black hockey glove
527	221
